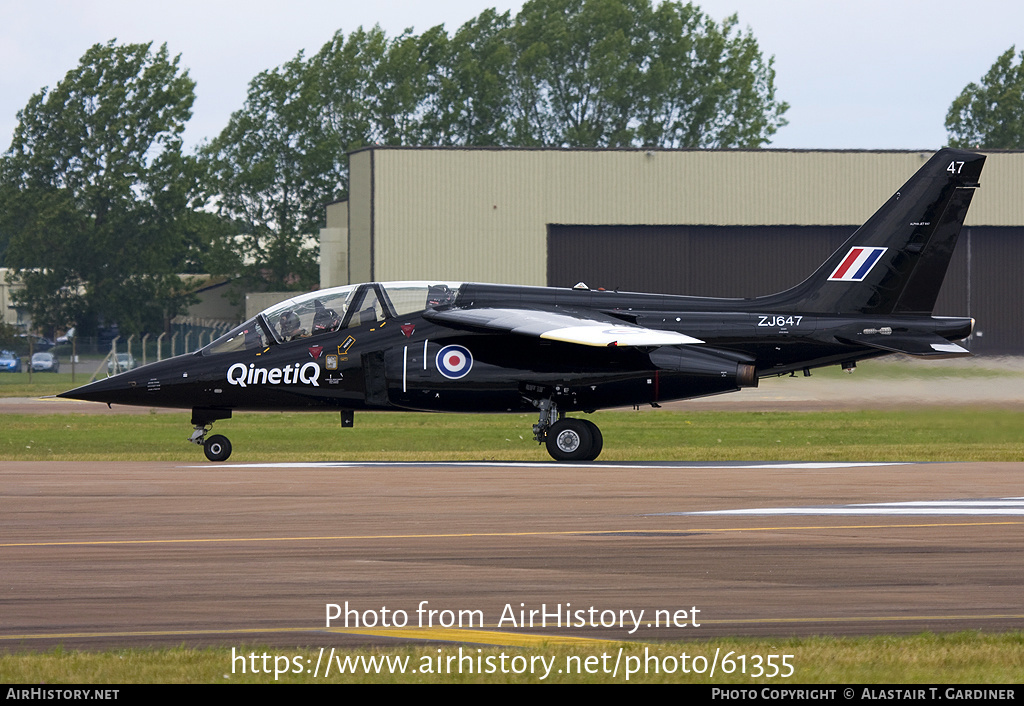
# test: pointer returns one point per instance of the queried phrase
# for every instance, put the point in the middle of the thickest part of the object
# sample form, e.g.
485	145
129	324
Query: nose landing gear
217	447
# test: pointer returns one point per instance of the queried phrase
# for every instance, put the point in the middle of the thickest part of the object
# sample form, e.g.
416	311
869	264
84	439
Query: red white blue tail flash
857	264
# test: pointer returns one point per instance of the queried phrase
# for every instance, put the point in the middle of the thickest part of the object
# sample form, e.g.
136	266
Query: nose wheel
217	448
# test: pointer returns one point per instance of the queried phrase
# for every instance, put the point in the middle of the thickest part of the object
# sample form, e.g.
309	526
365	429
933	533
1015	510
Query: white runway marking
1013	507
547	464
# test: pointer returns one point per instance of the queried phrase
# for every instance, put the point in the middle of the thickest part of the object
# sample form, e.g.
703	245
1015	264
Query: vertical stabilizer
895	263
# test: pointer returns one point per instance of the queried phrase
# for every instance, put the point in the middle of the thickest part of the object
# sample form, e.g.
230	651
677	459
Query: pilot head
289	324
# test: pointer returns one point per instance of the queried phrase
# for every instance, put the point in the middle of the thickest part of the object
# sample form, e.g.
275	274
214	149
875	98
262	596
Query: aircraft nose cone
120	389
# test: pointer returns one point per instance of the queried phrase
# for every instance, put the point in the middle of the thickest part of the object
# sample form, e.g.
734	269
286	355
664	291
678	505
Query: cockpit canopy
328	310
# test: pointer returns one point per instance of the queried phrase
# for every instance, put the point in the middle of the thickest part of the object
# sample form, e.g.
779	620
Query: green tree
283	156
373	90
574	73
577	63
991	115
470	75
620	73
94	187
271	172
704	85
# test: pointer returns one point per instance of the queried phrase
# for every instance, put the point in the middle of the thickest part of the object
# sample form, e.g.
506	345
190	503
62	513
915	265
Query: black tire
570	440
597	440
217	448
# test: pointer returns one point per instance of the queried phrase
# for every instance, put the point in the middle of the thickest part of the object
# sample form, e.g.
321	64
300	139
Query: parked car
39	343
9	362
45	363
120	363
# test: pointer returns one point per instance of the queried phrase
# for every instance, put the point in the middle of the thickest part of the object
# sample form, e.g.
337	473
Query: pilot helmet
289	323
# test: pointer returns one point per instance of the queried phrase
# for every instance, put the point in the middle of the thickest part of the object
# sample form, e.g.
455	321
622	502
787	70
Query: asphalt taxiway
97	555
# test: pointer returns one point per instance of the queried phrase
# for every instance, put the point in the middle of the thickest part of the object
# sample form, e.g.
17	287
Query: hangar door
707	261
748	261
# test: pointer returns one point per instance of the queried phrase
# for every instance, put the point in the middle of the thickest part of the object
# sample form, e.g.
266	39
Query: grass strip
961	434
955	658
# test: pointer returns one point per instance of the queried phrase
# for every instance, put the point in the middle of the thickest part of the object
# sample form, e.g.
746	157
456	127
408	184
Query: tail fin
895	263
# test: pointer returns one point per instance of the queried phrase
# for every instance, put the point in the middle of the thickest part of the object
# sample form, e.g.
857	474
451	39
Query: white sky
871	74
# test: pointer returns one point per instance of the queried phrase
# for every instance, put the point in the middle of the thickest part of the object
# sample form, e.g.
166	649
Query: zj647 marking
778	321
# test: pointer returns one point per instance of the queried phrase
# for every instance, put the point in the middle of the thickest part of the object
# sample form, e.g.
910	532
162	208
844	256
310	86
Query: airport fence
146	348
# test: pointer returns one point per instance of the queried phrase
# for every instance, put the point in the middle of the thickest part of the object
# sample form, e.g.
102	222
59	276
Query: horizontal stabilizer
925	345
555	326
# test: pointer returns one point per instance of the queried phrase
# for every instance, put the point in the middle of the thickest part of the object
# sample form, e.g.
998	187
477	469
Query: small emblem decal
454	361
408	330
331	362
315	351
857	264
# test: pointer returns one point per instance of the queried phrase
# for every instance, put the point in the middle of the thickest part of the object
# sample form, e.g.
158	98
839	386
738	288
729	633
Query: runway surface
99	555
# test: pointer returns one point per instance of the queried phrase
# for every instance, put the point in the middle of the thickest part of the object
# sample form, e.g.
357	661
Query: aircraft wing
555	326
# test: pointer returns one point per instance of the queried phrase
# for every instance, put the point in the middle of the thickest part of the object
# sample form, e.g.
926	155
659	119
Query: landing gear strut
567	439
216	447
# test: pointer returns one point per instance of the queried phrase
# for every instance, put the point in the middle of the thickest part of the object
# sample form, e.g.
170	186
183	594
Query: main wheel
570	440
217	448
596	437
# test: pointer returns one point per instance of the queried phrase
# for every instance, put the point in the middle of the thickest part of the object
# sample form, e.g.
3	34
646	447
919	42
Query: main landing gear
216	447
569	440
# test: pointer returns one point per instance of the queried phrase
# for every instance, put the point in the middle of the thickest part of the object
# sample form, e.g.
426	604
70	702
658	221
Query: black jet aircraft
461	347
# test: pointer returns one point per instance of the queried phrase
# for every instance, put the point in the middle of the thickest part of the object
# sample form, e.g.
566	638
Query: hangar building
730	223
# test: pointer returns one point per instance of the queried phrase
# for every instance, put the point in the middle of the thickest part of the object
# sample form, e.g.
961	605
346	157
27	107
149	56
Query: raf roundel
454	361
